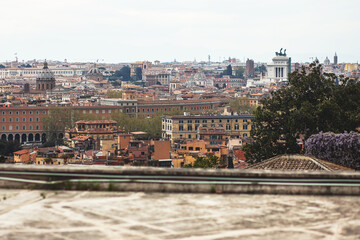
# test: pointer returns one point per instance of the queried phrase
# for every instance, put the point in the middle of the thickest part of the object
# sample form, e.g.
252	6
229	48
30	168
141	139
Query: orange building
24	156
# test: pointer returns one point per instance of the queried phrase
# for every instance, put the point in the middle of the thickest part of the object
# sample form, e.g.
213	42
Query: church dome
94	70
199	76
45	73
326	61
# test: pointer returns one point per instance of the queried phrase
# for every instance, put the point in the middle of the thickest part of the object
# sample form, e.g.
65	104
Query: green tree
261	68
55	123
138	72
239	72
7	148
312	102
204	162
241	105
152	126
122	74
113	94
228	70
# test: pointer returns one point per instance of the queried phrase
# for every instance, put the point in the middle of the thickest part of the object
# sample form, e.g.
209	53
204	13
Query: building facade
45	80
250	69
279	68
142	65
179	127
25	124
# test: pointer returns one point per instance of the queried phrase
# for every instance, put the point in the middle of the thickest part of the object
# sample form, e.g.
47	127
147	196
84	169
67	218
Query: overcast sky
125	31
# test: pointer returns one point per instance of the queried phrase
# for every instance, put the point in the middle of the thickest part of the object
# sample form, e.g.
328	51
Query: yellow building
182	127
49	161
179	162
350	67
142	65
96	129
24	156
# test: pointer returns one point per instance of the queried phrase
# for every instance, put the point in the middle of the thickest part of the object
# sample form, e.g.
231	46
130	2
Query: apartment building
183	127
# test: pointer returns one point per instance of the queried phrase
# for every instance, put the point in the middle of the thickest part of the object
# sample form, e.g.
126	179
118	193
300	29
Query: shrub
342	149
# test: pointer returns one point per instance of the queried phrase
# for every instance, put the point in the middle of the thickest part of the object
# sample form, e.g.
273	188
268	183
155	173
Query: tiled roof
297	163
21	152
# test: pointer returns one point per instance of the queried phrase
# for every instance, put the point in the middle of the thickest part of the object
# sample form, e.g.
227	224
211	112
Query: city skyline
119	31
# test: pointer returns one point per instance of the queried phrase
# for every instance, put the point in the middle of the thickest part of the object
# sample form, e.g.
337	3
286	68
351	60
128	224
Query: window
30	127
212	120
3	119
181	136
245	120
37	119
245	135
3	127
103	111
37	112
189	136
17	119
24	112
181	121
181	128
3	113
109	111
84	111
10	119
197	121
220	121
30	112
37	127
245	127
44	112
191	148
204	125
17	127
189	121
24	119
189	128
196	127
236	126
10	112
17	112
10	127
227	126
197	149
23	127
30	119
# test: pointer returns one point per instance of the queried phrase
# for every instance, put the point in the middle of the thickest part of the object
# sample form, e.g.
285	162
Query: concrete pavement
26	214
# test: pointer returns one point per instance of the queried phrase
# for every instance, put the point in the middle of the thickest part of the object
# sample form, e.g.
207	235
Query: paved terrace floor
26	214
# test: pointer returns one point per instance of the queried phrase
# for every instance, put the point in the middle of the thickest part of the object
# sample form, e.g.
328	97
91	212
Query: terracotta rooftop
298	163
21	152
80	138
